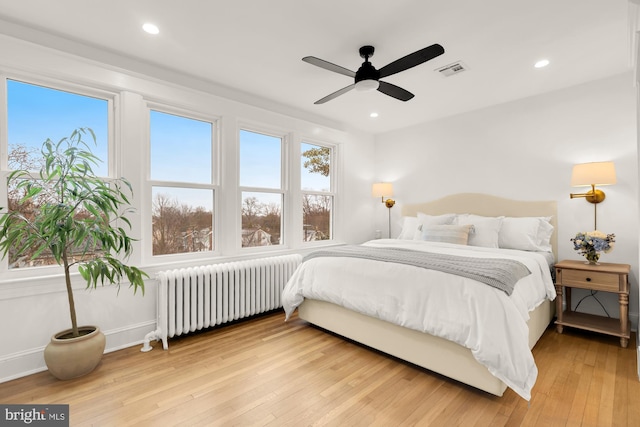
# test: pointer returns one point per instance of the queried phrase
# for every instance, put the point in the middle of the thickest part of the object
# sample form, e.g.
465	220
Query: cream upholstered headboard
487	205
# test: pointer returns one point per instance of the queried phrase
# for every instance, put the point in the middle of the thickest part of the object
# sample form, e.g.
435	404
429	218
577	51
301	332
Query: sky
181	148
35	115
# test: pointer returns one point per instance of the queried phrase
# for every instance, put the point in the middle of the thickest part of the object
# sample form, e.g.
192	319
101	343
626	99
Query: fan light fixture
367	85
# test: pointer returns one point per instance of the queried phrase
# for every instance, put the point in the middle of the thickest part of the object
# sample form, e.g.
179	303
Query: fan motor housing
367	72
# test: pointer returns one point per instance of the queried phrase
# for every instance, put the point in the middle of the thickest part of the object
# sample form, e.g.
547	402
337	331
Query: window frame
333	193
284	190
113	167
147	256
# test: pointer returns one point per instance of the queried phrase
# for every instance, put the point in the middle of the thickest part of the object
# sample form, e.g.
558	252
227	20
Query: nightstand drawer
591	280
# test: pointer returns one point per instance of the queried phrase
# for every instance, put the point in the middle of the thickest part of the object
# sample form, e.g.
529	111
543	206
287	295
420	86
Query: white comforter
477	316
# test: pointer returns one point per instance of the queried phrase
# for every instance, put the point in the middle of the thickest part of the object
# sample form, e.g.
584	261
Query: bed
428	350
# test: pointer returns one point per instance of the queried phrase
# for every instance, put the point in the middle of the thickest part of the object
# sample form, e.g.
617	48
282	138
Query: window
37	113
261	186
182	184
317	195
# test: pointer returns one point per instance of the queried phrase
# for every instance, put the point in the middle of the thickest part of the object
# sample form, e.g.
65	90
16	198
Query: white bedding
482	318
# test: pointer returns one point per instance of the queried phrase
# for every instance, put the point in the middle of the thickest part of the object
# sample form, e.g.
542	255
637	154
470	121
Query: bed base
427	351
430	352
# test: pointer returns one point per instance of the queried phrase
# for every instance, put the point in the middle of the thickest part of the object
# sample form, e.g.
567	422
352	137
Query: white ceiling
256	46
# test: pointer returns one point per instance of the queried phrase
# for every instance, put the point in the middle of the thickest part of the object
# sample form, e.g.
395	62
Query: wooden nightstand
605	277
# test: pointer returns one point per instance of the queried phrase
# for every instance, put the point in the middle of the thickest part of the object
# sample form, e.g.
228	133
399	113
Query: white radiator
191	299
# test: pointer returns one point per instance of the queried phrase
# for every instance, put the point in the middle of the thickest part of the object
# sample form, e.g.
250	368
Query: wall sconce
590	175
382	189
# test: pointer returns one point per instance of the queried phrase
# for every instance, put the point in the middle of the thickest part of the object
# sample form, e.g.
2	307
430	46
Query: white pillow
526	233
425	220
409	227
544	234
458	234
486	229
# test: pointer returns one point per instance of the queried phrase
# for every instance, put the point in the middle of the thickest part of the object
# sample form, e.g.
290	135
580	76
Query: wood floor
265	372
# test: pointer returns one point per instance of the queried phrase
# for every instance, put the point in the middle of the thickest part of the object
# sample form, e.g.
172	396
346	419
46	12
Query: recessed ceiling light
373	115
542	63
150	28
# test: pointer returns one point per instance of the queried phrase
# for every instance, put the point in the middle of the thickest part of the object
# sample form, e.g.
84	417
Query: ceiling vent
451	69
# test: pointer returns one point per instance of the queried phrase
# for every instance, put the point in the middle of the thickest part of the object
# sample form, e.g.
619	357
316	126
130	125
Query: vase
592	257
68	357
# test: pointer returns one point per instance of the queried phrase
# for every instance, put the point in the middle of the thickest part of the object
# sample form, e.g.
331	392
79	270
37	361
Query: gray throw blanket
497	272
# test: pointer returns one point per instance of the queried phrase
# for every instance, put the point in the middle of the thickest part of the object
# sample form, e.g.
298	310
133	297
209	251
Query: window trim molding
146	208
285	228
334	193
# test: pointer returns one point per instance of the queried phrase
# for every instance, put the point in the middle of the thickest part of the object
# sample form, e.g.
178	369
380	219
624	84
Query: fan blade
411	60
328	66
395	91
335	94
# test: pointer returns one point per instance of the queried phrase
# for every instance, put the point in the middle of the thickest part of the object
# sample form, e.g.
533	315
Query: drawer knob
588	279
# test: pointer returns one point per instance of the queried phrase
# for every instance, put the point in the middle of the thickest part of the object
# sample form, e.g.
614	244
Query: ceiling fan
368	78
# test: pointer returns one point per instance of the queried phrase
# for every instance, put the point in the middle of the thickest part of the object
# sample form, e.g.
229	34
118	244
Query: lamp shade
596	173
382	189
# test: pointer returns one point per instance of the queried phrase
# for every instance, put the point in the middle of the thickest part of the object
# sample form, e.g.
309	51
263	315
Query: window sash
312	232
201	240
246	240
259	227
305	172
111	98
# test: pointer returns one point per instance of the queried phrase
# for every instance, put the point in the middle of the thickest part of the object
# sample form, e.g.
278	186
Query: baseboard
127	336
638	360
21	364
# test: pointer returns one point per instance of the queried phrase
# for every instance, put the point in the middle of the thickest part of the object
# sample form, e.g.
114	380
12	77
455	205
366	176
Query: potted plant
73	218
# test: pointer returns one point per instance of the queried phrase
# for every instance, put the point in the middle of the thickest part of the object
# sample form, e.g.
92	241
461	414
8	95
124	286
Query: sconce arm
592	196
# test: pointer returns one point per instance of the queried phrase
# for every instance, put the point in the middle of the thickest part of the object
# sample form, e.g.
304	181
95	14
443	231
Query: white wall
525	150
32	310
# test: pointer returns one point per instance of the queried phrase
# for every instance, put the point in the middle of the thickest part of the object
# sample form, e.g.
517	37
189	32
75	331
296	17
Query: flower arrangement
591	243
